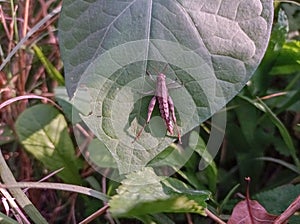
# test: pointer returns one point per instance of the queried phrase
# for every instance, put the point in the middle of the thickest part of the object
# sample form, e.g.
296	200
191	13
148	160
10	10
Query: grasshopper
166	107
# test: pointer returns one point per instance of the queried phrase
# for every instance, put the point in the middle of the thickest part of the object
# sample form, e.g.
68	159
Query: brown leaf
250	212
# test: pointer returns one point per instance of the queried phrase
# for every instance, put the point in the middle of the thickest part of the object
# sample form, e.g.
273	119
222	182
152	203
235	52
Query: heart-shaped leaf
210	48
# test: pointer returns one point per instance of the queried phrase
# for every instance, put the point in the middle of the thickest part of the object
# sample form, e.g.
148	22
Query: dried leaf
250	211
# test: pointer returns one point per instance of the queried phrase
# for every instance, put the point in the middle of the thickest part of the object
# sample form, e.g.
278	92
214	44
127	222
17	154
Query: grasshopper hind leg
172	112
150	110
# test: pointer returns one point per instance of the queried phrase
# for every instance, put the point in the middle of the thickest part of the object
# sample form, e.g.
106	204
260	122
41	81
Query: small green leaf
144	192
43	132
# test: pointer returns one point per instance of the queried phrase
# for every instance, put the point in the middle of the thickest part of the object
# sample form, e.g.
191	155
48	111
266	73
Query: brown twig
95	215
214	217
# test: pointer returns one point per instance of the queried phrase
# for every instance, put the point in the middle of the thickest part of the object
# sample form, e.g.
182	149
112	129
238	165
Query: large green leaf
43	131
144	193
212	48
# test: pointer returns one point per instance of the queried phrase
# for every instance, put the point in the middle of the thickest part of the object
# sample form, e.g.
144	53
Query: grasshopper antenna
164	69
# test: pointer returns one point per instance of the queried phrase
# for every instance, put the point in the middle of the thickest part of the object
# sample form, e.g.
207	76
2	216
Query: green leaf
292	102
247	116
144	193
261	81
161	219
211	171
100	155
288	60
43	132
211	50
282	129
71	113
278	199
281	162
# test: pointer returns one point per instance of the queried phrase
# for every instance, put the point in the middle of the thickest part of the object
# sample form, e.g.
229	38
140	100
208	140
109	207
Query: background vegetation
262	134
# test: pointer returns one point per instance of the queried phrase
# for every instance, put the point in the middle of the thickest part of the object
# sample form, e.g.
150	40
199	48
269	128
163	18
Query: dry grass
24	26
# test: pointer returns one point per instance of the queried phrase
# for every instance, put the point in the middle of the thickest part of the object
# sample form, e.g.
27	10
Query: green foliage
260	138
145	193
43	132
279	198
288	60
262	133
51	70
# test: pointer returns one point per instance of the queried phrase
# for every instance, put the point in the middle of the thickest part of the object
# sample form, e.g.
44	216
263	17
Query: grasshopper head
161	77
